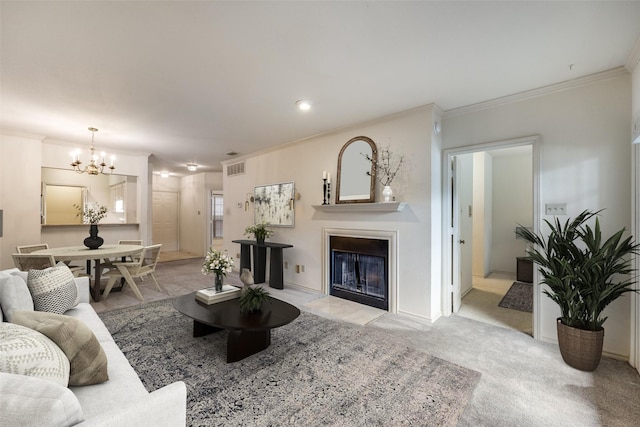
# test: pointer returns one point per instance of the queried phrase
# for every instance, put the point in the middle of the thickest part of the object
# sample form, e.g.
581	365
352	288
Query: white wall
20	159
584	162
410	135
512	190
482	211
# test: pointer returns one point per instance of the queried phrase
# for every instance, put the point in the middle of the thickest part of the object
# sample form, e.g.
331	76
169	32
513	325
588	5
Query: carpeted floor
519	297
316	372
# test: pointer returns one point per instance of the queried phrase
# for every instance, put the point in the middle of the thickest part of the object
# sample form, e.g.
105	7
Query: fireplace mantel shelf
362	207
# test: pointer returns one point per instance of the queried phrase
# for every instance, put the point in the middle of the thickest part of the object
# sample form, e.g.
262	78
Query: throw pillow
28	352
53	289
31	401
87	359
14	295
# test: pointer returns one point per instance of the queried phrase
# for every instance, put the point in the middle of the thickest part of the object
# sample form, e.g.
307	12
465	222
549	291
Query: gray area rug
519	297
316	372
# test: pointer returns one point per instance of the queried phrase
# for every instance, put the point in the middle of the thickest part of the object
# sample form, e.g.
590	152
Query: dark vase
93	241
218	282
260	240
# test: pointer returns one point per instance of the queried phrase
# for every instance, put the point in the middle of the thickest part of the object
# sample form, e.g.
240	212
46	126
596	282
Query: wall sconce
296	196
246	202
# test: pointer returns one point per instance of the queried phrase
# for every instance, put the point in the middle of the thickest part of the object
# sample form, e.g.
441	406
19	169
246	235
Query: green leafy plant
251	298
584	272
259	231
91	214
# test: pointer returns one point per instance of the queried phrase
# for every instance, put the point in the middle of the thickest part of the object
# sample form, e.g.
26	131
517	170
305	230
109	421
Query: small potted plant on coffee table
251	298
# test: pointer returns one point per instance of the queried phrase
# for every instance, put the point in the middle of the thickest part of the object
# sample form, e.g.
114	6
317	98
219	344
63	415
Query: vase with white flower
92	214
386	167
219	263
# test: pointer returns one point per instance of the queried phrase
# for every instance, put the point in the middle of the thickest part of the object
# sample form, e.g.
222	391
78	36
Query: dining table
83	253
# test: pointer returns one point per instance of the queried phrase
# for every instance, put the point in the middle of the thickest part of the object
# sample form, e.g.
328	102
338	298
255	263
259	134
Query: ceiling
189	81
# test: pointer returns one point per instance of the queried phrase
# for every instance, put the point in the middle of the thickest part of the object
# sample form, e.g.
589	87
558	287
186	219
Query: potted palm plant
584	273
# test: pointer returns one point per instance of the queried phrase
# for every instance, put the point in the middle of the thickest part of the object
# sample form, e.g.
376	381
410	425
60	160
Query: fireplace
359	270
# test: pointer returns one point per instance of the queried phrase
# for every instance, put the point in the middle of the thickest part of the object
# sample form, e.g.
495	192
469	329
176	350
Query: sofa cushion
53	289
30	401
87	360
123	386
28	352
86	313
14	295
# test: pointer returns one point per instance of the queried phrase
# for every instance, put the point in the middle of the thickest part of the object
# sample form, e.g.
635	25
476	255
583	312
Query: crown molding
20	134
534	93
634	57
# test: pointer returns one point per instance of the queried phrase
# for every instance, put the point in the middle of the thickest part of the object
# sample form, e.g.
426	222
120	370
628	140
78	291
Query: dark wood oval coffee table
248	333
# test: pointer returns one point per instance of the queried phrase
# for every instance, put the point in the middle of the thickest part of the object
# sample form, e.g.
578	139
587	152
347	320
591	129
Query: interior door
165	220
454	235
464	187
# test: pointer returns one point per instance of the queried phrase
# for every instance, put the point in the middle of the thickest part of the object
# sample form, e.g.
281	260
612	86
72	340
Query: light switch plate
555	209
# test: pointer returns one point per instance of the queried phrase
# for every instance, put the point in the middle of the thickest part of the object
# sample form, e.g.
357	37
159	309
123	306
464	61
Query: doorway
165	220
491	189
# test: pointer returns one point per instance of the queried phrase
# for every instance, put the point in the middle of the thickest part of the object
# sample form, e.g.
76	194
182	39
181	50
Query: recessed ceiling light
164	174
303	104
231	153
191	167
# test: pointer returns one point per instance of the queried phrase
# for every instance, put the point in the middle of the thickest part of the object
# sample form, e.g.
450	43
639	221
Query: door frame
634	359
449	251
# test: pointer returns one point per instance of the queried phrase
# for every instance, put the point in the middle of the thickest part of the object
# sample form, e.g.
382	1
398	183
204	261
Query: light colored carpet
316	372
524	382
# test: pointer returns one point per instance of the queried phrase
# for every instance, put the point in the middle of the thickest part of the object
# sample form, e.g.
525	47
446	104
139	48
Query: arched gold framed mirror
356	174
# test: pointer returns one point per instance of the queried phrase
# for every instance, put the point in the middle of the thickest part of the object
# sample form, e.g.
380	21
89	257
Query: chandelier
93	168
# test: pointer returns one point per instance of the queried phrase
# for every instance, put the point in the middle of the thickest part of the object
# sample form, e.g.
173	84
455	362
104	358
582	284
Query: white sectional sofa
122	400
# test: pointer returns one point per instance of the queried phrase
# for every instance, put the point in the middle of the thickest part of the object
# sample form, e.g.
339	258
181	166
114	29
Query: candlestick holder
324	191
328	193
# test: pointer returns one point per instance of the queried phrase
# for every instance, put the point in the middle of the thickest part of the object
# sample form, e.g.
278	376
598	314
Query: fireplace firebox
360	270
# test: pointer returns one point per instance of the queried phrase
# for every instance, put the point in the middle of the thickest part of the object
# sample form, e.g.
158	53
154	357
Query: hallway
481	304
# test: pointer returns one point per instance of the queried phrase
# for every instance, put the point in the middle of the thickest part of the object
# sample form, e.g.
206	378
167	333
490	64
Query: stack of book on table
210	296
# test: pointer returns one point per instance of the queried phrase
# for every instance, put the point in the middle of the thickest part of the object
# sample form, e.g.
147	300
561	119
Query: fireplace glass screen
360	277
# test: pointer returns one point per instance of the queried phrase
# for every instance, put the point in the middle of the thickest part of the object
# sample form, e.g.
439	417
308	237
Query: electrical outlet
302	268
555	209
237	254
286	265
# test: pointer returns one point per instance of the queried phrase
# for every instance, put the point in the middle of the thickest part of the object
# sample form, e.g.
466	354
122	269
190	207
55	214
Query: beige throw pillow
53	289
87	359
27	352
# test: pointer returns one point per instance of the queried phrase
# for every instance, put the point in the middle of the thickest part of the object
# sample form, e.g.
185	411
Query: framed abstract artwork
274	204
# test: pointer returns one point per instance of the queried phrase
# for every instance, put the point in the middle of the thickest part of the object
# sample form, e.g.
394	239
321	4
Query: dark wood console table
276	261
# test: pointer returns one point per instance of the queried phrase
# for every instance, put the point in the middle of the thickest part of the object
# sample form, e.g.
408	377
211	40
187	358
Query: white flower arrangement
91	214
218	262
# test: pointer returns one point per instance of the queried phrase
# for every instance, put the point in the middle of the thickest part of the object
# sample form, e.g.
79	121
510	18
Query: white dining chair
27	249
142	265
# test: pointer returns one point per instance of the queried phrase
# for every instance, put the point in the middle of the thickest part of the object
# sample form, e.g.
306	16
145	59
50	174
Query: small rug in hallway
519	297
316	372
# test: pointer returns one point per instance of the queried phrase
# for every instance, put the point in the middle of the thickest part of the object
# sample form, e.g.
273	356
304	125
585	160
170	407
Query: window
217	211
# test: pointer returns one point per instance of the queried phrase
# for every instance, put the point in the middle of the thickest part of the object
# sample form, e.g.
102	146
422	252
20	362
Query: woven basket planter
580	348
